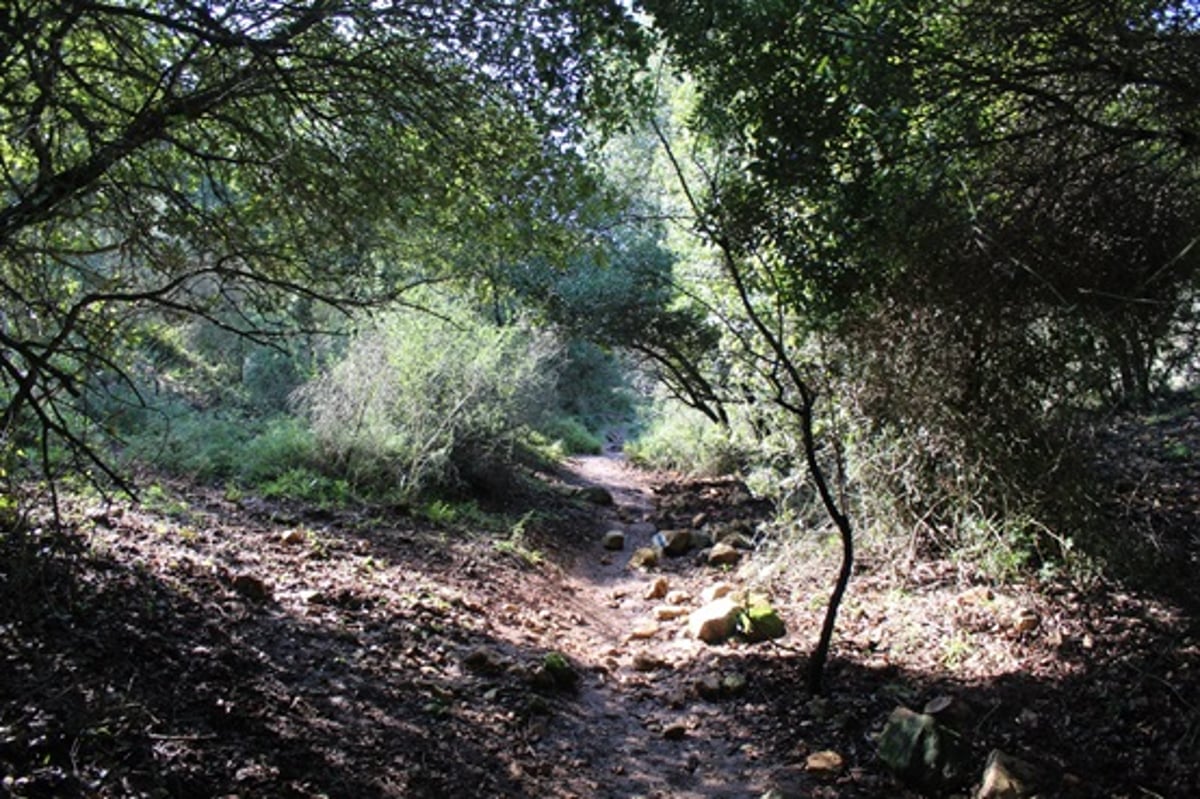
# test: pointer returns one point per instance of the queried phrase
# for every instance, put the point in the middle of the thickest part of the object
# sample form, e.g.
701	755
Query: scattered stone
675	731
699	520
644	661
482	660
643	630
702	539
1026	620
597	495
922	753
715	591
251	587
716	621
723	554
826	764
678	598
658	589
644	558
293	537
673	542
669	612
1008	777
614	539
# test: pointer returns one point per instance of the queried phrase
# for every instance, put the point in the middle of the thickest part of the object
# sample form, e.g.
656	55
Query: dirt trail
648	731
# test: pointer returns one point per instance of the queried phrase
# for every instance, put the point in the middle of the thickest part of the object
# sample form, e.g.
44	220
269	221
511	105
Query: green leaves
221	160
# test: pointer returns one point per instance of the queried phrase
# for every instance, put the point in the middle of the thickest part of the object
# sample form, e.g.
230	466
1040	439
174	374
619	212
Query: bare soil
204	647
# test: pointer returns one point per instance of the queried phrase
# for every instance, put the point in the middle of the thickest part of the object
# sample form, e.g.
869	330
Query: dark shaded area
209	648
1148	490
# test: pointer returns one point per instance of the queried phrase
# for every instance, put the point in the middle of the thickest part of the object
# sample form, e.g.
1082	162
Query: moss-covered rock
922	753
761	622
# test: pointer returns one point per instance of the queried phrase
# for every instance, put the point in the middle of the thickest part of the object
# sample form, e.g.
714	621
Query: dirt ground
203	646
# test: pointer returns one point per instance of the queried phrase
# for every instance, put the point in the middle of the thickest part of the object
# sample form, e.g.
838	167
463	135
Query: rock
644	661
560	670
673	542
252	587
1026	620
669	612
922	753
723	554
715	591
739	542
761	622
678	598
597	495
699	520
827	764
293	537
716	621
1008	777
643	630
644	558
738	528
658	589
482	660
675	731
708	686
614	539
701	539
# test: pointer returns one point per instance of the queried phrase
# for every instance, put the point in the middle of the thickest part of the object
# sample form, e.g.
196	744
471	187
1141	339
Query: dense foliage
971	221
245	161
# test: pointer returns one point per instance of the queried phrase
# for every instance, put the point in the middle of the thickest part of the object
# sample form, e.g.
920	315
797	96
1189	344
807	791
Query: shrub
682	439
570	436
424	401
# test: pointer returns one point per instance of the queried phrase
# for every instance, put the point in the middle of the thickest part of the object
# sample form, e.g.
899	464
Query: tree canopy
183	158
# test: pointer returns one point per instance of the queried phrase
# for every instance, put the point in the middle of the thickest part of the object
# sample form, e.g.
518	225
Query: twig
193	738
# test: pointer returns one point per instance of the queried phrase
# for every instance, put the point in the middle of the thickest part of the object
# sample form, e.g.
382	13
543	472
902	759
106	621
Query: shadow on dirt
381	662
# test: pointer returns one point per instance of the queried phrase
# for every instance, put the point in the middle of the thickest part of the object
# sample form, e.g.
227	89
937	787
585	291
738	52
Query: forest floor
200	646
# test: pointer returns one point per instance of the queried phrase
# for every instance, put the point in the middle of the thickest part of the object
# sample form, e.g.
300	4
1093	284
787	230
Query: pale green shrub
423	401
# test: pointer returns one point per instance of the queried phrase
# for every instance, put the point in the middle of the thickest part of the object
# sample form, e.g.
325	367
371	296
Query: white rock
716	621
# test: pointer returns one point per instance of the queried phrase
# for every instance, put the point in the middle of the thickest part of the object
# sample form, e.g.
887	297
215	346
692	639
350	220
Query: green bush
570	436
682	439
430	402
284	444
183	441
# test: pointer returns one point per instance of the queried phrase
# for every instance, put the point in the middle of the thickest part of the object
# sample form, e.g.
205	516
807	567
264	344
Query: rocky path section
669	712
